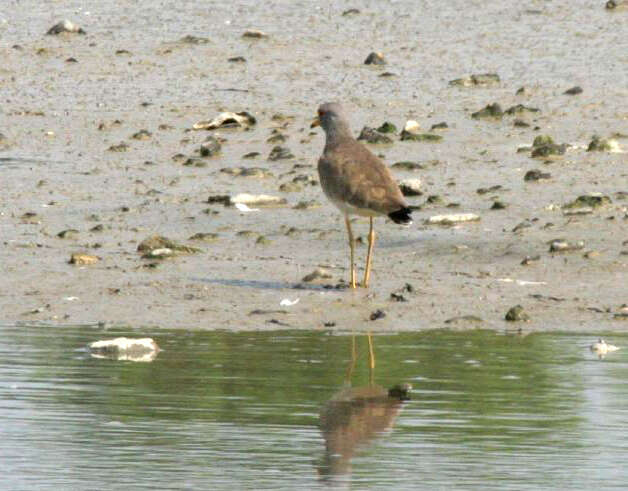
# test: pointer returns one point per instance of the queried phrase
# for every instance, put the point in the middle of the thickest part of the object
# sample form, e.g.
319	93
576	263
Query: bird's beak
316	122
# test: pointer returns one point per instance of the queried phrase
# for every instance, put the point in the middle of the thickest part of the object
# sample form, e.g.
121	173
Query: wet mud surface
98	153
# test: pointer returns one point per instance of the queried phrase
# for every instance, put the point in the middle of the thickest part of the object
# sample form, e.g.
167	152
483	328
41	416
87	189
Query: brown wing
351	173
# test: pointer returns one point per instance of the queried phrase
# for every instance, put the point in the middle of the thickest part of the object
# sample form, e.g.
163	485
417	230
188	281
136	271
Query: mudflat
98	153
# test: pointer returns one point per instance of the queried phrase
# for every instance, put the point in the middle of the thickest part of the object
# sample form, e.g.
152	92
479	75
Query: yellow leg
352	248
354	357
369	255
371	358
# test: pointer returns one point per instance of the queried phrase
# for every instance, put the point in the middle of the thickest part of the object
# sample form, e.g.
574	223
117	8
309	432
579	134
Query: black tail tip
401	216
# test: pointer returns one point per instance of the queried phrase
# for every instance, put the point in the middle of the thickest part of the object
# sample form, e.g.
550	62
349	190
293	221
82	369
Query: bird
356	181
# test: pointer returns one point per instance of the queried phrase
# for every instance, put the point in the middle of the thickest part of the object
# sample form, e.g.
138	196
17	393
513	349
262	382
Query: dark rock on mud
317	274
156	242
477	80
520	109
598	144
194	162
574	90
350	12
290	187
439	126
257	172
491	111
280	153
251	155
378	314
411	187
591	200
65	26
82	259
536	175
189	39
375	59
205	237
387	127
543	146
408	166
254	34
120	147
237	59
70	233
276	137
499	205
520	123
142	135
517	313
420	137
529	260
371	135
210	147
307	205
464	319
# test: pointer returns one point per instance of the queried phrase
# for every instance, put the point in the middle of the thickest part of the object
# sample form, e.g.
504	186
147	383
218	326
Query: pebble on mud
387	127
227	120
81	259
120	147
254	34
65	26
373	136
491	111
591	200
378	314
465	319
157	246
375	58
543	146
142	349
536	175
573	91
317	274
280	153
598	144
190	39
210	147
205	237
257	172
616	5
410	187
142	135
69	233
477	80
452	219
517	313
561	245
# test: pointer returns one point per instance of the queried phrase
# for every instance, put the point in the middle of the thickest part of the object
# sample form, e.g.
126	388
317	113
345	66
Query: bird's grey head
331	116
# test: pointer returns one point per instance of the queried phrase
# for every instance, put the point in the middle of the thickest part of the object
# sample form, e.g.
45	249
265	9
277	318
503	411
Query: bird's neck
337	134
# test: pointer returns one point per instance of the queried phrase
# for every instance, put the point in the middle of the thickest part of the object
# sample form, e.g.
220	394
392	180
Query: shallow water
242	410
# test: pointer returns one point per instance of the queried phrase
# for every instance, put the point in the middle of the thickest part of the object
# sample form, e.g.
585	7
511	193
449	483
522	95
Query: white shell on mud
226	119
455	218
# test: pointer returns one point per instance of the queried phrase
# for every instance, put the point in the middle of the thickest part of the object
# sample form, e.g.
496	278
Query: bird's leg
371	358
354	357
369	255
352	248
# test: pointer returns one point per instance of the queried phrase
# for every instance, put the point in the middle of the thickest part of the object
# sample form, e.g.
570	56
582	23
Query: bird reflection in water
355	416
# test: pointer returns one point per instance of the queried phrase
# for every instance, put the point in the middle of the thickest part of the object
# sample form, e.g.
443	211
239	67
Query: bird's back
354	177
